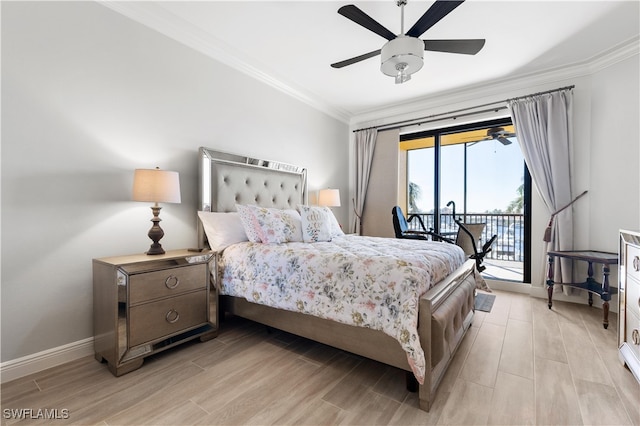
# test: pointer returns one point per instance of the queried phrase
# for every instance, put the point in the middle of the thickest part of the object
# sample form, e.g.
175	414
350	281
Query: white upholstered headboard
229	179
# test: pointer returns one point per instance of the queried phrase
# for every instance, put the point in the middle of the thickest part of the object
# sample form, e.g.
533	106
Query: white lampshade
329	197
157	186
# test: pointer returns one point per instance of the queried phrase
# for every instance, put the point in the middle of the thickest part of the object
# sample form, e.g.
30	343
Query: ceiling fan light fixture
402	57
402	75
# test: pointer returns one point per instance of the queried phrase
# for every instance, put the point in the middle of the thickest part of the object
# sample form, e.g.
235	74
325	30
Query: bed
404	303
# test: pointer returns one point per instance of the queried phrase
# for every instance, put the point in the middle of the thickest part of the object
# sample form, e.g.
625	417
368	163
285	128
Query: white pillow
317	223
336	230
250	223
222	229
278	226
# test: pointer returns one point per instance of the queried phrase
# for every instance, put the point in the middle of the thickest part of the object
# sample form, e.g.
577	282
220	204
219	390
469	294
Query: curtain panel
544	125
365	144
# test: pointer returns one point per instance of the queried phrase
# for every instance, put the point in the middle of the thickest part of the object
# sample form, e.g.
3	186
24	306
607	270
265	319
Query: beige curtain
365	144
543	124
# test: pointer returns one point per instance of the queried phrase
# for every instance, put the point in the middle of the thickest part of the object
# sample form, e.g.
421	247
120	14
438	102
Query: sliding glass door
481	169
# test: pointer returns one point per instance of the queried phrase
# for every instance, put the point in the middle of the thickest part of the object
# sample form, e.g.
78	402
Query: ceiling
291	45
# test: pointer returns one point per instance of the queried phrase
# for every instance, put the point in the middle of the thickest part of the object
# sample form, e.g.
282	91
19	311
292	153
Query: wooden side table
590	285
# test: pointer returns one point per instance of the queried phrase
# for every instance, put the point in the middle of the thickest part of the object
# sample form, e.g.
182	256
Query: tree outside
414	194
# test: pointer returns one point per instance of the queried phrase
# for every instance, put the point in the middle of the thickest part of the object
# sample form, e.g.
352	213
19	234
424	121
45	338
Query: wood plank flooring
520	364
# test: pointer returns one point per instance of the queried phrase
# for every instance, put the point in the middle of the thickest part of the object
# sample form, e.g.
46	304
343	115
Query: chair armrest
415	216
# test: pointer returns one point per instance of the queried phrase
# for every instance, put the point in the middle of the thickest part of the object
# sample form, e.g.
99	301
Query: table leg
605	296
590	279
550	282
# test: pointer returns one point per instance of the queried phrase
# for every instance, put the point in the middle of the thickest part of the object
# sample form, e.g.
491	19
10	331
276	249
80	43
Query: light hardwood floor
520	364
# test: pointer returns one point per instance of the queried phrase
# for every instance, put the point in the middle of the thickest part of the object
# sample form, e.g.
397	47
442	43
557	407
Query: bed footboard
446	313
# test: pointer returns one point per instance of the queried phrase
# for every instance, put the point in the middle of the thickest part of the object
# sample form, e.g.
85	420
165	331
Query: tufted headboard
229	179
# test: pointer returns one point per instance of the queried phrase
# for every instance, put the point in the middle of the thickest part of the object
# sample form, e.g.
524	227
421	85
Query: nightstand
144	304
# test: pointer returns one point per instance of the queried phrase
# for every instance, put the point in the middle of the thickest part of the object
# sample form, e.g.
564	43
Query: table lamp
156	186
329	197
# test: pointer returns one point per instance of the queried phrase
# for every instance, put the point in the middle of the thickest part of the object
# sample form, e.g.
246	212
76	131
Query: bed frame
445	311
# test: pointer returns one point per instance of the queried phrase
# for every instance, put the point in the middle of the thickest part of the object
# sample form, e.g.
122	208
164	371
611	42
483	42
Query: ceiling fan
403	54
499	134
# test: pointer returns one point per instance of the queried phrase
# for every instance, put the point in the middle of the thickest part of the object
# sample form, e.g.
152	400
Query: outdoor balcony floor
506	270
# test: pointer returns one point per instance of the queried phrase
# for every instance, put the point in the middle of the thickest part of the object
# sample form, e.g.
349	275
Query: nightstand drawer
155	320
167	282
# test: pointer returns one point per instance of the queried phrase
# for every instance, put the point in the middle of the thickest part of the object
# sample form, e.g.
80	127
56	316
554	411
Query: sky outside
495	171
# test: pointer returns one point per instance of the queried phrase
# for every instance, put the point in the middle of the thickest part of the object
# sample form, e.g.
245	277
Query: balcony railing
508	227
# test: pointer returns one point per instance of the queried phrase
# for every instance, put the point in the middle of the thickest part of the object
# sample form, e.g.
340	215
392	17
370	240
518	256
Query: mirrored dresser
629	300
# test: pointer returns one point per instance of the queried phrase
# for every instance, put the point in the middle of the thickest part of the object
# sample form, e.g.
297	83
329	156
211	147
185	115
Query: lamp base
155	249
156	233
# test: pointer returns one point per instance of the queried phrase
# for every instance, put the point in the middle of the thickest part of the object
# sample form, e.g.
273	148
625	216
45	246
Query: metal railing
509	228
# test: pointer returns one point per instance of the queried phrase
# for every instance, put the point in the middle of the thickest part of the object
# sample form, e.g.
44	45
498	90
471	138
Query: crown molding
619	53
163	21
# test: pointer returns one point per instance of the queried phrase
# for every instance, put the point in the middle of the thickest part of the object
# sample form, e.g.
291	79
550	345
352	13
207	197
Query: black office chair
468	238
401	225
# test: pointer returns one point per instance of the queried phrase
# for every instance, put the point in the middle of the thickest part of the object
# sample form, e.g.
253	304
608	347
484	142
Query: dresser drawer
167	282
633	334
633	262
633	296
152	321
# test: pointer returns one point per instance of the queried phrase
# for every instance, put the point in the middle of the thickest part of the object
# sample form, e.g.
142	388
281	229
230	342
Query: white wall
614	167
87	97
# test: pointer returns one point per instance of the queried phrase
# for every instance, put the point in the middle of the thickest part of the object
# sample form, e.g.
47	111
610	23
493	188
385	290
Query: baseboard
513	287
40	361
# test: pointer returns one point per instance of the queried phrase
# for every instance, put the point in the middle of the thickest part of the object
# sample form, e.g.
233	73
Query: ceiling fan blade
356	59
435	13
352	12
464	46
503	140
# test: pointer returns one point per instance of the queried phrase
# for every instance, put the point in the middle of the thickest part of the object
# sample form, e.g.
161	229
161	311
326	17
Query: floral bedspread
363	281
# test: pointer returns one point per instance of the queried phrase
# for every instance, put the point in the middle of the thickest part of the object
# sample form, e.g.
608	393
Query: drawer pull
172	282
636	263
172	316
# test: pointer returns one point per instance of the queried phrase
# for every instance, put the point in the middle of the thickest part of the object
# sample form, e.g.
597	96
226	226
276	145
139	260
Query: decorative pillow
316	224
292	217
250	223
222	229
278	226
336	230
